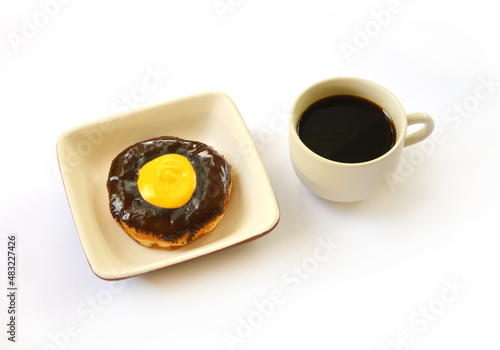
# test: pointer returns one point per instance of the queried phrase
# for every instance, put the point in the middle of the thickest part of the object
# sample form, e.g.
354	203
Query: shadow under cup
347	182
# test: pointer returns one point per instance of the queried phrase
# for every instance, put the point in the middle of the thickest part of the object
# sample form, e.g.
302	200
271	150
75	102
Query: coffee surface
347	129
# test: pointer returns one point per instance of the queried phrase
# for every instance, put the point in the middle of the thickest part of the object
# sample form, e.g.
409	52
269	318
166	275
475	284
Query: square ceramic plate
85	154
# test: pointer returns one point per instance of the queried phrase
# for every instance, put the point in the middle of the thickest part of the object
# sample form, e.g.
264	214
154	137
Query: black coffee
346	129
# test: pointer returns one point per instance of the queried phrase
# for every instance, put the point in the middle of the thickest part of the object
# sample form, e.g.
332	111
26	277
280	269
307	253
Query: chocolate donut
170	228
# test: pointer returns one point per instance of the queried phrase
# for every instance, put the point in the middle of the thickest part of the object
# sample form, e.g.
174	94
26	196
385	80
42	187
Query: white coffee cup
350	182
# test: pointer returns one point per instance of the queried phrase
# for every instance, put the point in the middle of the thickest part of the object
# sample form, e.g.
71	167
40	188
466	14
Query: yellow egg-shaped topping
168	181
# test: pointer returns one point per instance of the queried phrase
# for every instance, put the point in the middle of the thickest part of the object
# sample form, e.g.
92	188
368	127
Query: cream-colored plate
85	154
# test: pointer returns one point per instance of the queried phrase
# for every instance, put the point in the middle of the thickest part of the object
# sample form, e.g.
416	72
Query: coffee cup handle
422	133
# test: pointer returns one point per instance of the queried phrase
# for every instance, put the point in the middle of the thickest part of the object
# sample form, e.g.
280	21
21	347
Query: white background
415	266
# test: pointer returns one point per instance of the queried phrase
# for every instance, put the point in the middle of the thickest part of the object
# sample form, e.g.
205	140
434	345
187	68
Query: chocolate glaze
213	175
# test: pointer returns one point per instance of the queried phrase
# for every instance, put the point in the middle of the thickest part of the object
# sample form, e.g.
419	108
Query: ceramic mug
350	182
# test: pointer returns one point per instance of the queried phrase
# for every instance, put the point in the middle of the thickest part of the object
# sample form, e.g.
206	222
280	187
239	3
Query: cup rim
400	134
